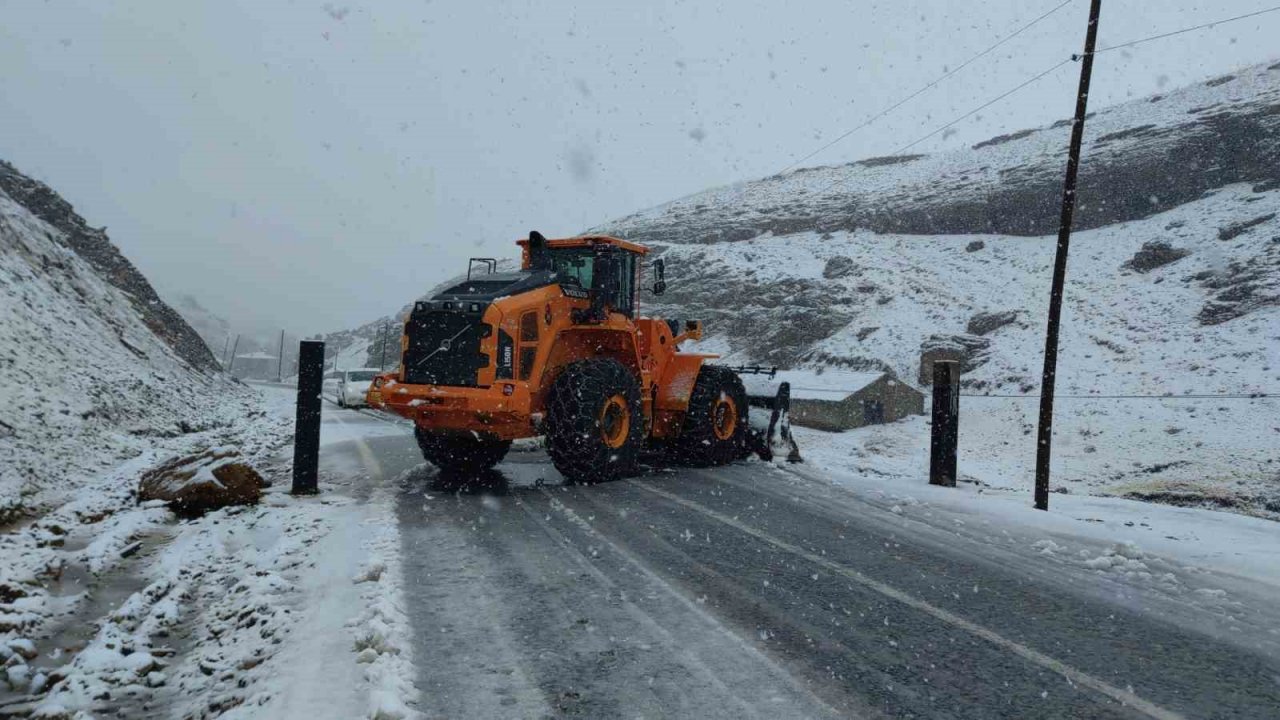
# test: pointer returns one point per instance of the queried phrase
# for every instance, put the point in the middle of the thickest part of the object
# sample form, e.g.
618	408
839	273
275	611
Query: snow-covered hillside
1204	321
102	381
88	380
93	246
1173	288
1140	158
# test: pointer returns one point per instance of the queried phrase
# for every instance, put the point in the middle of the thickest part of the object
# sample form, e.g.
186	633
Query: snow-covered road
844	587
752	591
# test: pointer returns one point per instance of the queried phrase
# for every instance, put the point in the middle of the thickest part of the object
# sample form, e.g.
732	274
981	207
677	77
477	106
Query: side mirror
659	276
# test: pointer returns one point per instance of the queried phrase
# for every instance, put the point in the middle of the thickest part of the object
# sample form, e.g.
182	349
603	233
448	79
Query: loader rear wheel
461	453
715	426
595	423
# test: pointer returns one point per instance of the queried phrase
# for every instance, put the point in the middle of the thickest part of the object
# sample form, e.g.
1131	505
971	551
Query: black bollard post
946	423
306	437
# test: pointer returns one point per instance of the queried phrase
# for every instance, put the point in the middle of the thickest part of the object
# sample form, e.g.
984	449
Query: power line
1035	78
971	113
1227	396
930	86
979	109
1194	396
1161	36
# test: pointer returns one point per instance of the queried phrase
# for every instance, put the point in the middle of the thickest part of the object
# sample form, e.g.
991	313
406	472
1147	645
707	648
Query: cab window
574	266
625	301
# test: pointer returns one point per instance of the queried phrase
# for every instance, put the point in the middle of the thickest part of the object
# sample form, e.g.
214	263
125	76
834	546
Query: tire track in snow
700	613
1075	676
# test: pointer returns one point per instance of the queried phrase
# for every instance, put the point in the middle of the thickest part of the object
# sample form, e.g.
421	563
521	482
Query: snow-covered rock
195	484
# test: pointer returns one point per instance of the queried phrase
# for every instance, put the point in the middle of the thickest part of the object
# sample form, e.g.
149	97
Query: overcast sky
314	166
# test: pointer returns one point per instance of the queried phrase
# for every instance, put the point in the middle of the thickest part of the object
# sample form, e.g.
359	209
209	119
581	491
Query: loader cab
602	268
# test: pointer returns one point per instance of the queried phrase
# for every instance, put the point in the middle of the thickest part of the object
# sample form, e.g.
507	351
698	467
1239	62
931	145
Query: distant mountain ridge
1140	158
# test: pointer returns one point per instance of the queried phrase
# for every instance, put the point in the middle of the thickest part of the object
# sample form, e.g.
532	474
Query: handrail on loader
490	263
771	371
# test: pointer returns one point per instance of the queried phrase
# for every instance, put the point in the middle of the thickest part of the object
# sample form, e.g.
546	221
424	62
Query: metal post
946	423
382	363
234	349
1044	436
306	434
280	366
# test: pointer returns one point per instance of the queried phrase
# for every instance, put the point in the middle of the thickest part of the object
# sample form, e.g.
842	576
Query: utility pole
280	366
1044	437
225	347
234	348
382	364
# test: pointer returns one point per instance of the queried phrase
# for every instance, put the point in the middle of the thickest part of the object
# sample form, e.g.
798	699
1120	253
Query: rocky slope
94	247
95	367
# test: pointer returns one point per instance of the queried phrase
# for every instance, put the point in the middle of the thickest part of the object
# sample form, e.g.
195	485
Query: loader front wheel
461	453
715	426
595	423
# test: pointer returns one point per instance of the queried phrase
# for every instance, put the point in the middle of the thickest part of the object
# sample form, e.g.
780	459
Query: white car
353	384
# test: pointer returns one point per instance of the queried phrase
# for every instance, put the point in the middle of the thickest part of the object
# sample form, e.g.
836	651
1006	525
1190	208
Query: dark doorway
872	412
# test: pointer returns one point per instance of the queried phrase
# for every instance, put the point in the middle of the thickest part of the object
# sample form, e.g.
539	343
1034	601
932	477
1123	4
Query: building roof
806	384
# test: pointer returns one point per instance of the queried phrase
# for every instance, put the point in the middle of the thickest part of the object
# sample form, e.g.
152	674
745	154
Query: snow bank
382	629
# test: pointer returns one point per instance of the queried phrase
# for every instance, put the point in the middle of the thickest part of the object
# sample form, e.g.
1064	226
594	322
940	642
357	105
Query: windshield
573	266
361	376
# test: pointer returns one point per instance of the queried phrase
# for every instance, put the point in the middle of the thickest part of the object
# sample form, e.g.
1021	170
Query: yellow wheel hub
615	421
724	417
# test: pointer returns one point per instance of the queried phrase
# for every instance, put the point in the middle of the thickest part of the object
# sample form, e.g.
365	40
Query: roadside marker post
946	423
306	437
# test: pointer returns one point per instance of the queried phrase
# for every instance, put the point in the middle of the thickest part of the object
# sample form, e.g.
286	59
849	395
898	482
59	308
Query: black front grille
444	348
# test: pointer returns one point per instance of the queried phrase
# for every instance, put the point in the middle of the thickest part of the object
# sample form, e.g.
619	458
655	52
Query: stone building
842	399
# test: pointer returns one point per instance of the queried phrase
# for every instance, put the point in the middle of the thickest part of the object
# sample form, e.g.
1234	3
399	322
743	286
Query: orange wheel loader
558	349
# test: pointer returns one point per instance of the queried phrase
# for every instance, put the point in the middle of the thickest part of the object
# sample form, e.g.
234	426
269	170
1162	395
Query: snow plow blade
770	435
